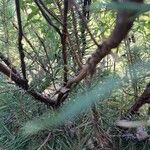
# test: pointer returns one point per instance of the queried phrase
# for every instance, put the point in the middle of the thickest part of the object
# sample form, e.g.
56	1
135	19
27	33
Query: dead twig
45	141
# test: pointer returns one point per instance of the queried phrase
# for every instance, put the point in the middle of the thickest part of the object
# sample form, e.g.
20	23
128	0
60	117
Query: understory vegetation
74	75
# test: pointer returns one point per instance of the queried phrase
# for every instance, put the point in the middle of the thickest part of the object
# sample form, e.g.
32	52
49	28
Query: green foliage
127	6
24	122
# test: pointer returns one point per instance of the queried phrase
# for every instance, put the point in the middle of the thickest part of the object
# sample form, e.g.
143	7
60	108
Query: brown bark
143	99
64	41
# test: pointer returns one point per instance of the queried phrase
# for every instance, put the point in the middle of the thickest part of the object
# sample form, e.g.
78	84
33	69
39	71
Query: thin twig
47	18
83	19
45	141
50	12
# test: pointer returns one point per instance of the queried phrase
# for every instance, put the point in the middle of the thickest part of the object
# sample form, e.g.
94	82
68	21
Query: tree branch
20	47
84	21
143	99
50	13
22	84
64	40
8	63
124	22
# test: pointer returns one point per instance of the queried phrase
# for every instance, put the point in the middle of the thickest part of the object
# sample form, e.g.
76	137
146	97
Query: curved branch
124	22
